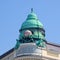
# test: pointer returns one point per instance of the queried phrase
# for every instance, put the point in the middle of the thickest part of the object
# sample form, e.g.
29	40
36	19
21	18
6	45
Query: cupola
31	22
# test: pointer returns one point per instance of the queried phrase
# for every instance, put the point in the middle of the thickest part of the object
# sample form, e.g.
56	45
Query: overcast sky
14	12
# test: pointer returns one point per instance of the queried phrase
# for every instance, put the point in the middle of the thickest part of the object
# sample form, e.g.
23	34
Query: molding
11	50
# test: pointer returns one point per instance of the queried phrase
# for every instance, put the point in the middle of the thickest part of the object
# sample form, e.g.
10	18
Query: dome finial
31	10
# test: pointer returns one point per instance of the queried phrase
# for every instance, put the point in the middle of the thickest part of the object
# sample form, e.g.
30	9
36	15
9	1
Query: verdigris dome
32	16
32	22
31	31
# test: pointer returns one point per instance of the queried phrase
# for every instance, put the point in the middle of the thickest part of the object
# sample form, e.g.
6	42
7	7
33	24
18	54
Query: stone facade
51	52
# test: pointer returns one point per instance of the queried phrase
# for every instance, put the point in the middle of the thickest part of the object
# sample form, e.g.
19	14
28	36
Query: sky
14	12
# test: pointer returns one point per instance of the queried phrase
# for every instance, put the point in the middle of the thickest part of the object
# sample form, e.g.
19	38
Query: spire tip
31	9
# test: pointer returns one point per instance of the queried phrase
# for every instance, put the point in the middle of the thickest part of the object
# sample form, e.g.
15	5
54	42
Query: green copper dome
32	21
31	31
32	15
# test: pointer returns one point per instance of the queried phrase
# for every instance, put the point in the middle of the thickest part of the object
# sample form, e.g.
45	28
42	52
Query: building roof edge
11	50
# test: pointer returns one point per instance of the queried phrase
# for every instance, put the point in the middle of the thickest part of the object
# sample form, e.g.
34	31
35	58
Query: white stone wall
53	48
50	53
9	57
